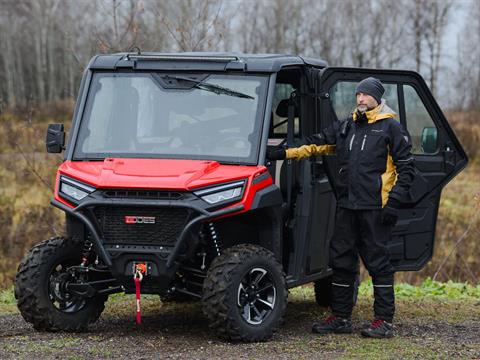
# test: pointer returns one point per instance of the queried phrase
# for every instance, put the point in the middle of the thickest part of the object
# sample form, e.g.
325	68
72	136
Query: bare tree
194	25
250	25
467	74
392	42
439	12
8	27
45	44
121	31
418	26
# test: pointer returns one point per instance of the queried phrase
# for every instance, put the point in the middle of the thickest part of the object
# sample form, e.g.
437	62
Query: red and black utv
165	167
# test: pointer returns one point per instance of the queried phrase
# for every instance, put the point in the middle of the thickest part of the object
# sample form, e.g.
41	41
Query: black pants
361	232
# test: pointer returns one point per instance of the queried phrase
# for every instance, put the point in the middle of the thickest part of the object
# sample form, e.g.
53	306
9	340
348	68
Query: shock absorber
87	248
215	238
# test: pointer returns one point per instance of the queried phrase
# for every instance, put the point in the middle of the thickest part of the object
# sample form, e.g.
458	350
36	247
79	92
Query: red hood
155	173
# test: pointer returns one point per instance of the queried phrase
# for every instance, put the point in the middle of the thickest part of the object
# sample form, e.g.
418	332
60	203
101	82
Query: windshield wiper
217	89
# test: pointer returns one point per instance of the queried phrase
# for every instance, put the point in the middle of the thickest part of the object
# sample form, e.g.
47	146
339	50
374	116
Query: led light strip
76	184
186	57
219	188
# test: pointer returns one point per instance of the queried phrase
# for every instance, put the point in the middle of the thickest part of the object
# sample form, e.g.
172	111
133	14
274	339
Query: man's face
365	102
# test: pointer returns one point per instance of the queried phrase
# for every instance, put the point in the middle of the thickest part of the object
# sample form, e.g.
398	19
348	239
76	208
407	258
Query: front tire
40	288
245	294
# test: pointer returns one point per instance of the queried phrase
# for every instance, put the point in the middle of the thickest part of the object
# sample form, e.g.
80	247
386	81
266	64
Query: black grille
169	222
142	194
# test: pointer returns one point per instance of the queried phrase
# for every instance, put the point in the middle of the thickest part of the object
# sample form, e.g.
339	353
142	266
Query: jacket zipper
363	142
351	142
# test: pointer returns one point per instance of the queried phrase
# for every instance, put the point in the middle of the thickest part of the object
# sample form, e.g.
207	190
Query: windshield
213	117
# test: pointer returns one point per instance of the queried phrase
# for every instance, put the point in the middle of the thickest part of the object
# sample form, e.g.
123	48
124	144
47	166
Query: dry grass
458	220
467	128
27	175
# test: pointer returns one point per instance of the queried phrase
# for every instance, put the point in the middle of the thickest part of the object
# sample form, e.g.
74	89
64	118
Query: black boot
379	329
333	324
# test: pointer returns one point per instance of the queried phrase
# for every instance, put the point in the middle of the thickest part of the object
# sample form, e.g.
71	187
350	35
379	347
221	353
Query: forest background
46	44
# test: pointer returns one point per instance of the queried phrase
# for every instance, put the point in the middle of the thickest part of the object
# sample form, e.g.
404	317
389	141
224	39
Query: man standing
375	170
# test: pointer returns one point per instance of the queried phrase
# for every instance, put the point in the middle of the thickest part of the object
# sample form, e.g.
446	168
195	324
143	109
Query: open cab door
438	154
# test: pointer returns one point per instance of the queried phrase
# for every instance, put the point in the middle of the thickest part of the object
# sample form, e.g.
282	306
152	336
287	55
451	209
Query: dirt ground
425	328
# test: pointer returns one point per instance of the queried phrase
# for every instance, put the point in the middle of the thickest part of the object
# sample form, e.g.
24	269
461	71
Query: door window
420	125
342	96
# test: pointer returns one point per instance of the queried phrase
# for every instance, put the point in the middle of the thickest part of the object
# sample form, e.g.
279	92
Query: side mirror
55	140
429	140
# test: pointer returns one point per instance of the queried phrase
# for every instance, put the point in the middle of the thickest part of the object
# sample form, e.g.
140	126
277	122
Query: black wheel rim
61	299
256	296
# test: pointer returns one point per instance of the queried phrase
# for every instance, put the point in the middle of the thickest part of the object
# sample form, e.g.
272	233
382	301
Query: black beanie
372	87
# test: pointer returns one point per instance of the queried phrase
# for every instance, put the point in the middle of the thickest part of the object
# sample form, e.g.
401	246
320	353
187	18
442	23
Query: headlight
222	193
73	189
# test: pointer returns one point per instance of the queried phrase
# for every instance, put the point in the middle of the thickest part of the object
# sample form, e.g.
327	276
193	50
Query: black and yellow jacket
374	158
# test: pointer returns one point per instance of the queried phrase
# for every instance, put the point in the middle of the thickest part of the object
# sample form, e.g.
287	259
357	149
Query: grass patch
427	289
7	297
8	304
397	347
53	346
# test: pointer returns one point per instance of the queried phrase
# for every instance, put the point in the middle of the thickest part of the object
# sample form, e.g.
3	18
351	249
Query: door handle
449	158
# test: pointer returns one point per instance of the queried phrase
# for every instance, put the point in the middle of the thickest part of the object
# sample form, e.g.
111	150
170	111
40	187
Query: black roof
209	61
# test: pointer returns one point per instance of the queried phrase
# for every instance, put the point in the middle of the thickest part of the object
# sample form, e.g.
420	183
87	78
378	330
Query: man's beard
362	108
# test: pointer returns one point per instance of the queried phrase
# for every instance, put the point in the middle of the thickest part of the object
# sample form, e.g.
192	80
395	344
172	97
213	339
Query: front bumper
120	257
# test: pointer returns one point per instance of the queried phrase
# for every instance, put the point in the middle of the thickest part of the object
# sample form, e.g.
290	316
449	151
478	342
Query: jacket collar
382	111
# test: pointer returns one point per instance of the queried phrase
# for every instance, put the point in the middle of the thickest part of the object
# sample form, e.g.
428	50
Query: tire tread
33	306
216	306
